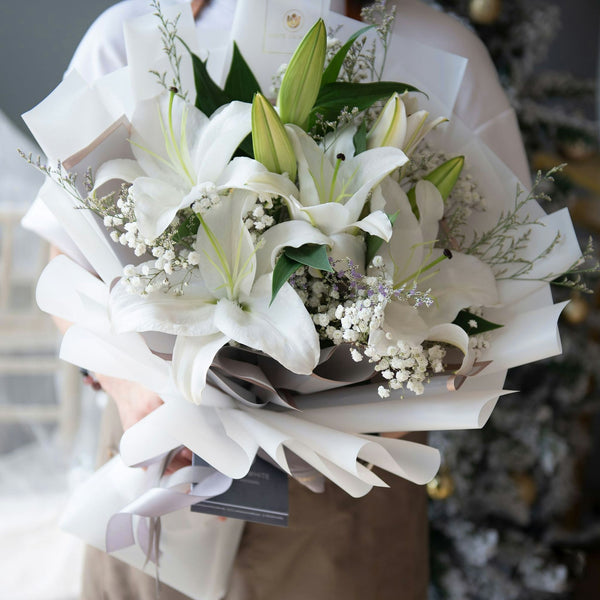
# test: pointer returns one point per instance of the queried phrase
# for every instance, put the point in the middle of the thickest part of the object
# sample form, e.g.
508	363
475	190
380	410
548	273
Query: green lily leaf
443	177
333	68
360	139
374	243
241	83
209	96
283	270
188	228
465	320
302	80
311	255
334	97
270	141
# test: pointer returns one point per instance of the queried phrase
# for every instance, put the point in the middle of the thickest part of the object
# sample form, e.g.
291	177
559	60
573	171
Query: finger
186	453
182	459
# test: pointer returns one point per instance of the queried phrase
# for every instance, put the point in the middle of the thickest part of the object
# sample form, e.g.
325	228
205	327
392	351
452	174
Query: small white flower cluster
347	308
358	61
479	341
260	218
357	319
406	365
327	131
277	79
120	217
207	198
146	278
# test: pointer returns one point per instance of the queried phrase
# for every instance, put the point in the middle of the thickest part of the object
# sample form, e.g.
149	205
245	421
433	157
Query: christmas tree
507	518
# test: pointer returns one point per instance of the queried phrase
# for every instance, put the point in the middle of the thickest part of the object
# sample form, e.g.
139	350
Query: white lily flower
454	280
180	156
394	127
224	301
331	195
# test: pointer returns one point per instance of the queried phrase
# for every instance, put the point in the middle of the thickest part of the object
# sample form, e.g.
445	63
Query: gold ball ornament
577	311
577	150
441	486
485	12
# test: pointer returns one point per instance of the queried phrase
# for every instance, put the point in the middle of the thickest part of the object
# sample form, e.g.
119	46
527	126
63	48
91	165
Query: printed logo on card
286	25
292	20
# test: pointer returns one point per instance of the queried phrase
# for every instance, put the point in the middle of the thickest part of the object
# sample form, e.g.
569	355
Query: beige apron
335	548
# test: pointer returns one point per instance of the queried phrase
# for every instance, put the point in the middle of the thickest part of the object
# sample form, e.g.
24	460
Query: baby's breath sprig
168	36
348	307
323	128
382	18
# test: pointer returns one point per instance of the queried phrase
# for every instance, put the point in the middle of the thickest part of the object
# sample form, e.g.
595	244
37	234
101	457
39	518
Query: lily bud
302	80
390	127
443	177
446	175
417	127
270	141
395	127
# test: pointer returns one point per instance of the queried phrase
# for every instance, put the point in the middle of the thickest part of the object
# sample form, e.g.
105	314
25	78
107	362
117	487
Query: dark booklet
261	496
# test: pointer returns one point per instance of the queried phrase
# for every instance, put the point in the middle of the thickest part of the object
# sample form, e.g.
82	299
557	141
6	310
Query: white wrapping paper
331	430
197	551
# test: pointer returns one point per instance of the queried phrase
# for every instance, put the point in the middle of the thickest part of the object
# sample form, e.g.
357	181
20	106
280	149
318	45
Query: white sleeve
102	48
101	51
481	104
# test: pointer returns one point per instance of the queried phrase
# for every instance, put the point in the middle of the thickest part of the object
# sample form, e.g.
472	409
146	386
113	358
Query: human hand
134	402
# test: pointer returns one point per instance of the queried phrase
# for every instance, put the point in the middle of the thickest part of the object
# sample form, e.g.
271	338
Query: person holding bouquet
336	546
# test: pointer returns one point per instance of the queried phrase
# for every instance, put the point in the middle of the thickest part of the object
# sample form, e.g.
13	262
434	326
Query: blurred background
515	510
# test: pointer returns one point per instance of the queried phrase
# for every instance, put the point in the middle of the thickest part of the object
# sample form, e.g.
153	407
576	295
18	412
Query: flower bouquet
295	258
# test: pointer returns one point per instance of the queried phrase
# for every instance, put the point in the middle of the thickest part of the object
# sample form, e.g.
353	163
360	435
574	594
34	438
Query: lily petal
156	204
283	329
431	209
228	263
124	169
245	173
404	253
376	223
390	127
192	357
189	314
315	172
330	217
340	142
218	141
152	140
347	246
367	170
461	282
402	322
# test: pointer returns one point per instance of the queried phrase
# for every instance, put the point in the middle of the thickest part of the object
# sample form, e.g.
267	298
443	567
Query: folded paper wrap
325	420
